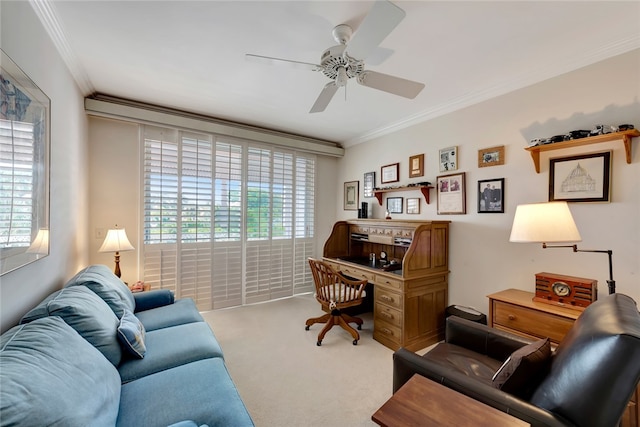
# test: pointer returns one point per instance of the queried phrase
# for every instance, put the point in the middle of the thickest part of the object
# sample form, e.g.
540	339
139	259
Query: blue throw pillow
101	280
131	334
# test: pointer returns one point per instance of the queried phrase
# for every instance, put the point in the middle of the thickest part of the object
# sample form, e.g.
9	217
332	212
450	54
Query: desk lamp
40	245
551	223
116	241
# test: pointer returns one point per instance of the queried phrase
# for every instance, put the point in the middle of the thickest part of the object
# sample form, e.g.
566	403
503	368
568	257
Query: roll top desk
410	295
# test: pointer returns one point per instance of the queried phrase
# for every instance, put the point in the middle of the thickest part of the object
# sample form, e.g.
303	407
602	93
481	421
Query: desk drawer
385	281
531	322
357	273
387	297
388	331
387	314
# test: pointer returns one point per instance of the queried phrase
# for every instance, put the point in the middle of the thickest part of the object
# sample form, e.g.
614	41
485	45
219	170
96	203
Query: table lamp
551	222
116	241
40	245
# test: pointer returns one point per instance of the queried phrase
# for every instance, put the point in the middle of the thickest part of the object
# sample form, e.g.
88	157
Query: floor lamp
552	223
116	241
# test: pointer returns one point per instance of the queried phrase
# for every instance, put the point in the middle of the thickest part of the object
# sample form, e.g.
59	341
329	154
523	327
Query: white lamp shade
116	241
544	223
40	244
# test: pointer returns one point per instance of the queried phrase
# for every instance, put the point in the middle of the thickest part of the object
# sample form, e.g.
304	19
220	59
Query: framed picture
583	178
351	195
451	194
491	196
394	205
413	206
416	166
493	156
389	173
369	184
449	159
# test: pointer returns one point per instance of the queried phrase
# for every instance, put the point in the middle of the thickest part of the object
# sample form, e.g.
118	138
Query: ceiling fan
346	60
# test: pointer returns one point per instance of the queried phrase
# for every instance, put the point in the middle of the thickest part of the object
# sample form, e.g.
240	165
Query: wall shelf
626	137
423	188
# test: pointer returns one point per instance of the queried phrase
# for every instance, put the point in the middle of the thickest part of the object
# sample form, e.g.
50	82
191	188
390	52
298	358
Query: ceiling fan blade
277	61
324	98
391	84
383	17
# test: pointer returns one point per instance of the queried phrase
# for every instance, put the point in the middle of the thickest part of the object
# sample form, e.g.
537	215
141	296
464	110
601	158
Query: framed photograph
493	156
369	184
583	178
351	195
416	166
413	206
389	173
491	196
394	204
451	194
449	159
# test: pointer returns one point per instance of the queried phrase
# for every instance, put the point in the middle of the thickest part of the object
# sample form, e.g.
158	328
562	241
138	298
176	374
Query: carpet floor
285	379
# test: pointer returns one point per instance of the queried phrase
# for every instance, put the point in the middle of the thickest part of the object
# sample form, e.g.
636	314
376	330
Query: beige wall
482	260
24	39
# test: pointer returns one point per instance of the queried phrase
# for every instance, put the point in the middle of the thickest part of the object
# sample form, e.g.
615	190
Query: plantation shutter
304	243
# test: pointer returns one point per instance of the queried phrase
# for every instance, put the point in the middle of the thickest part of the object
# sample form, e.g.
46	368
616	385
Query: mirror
24	168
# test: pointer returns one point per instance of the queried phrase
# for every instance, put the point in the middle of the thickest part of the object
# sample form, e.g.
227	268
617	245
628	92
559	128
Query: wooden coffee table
422	402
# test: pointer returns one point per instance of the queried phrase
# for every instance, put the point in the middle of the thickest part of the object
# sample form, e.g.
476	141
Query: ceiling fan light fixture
342	77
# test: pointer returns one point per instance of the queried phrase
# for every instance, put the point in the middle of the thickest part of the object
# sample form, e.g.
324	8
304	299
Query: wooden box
565	291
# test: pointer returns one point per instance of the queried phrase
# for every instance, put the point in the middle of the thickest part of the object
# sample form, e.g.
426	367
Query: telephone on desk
392	266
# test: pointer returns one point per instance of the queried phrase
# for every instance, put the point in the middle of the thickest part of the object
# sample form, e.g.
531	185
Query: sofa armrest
407	363
153	299
483	339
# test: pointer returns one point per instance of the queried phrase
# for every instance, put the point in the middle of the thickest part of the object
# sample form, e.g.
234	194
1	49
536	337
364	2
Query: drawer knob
386	298
387	331
512	317
387	315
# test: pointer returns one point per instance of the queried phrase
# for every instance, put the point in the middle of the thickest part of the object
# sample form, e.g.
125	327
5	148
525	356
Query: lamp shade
40	244
116	241
544	223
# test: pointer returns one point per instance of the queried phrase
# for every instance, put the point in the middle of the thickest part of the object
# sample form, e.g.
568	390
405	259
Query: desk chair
335	292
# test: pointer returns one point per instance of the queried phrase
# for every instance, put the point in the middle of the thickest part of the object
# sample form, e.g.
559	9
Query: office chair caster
306	328
359	327
355	342
319	343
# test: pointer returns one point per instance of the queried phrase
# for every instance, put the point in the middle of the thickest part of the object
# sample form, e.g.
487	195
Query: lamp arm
610	282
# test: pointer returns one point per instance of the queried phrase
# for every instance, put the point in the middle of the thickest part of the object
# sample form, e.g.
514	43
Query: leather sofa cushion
524	369
465	361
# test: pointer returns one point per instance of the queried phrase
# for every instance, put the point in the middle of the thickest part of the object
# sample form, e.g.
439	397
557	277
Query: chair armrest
483	339
407	363
153	299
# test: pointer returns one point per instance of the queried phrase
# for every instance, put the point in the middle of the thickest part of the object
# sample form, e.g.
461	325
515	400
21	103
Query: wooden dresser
409	303
513	310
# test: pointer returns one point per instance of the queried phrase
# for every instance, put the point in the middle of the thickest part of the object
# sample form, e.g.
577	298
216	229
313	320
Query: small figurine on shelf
387	215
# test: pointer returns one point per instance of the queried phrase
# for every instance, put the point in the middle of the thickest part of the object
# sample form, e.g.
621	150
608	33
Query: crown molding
46	13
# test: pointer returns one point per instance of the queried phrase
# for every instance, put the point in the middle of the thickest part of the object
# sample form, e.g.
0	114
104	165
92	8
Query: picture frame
491	195
451	194
416	166
449	159
581	178
351	195
394	205
369	184
413	206
492	156
389	173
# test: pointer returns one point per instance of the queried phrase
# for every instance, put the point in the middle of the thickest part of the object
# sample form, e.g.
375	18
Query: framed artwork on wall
451	194
389	173
449	159
416	166
394	204
493	156
491	196
369	184
351	194
582	178
413	205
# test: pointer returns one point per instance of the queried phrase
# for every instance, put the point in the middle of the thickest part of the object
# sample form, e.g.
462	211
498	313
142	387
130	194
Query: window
226	222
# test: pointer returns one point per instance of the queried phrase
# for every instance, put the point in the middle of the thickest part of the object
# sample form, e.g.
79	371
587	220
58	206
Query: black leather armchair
592	374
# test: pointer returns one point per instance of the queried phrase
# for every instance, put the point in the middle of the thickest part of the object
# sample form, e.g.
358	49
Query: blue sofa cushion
101	280
187	423
170	347
153	299
50	375
180	312
85	312
131	334
201	391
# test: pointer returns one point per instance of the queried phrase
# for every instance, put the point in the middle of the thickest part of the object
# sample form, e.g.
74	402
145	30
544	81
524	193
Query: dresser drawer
387	297
531	322
387	314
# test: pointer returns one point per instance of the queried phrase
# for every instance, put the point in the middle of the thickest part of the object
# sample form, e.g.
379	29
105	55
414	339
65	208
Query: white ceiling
190	55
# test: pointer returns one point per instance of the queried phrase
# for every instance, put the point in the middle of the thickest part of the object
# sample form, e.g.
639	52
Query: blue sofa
94	354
